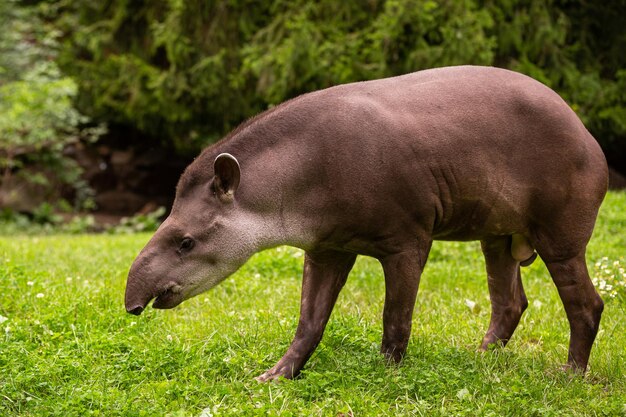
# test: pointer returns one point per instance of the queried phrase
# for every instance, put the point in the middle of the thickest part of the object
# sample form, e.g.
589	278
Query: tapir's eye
186	244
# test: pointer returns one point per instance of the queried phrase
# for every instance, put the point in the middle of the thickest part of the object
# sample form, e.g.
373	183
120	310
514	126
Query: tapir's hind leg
508	300
561	241
402	276
324	276
582	303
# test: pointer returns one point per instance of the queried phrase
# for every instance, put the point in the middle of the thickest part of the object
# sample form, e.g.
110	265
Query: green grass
67	347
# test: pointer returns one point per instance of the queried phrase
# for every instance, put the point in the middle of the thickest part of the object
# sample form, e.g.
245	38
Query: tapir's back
461	107
472	150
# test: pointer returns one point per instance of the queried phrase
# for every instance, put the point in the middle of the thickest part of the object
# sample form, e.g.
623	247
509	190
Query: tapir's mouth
169	298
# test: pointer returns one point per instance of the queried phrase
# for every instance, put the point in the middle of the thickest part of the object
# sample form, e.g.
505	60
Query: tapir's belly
478	219
391	226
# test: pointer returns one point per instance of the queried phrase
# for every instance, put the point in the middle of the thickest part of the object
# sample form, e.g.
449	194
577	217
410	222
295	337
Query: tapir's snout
139	290
136	298
147	280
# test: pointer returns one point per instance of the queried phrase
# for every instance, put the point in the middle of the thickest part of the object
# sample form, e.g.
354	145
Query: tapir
382	168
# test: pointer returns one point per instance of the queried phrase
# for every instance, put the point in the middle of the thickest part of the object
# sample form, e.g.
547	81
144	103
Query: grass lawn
68	348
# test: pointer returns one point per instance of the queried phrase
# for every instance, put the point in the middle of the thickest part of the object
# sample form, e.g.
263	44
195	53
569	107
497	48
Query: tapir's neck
275	181
268	230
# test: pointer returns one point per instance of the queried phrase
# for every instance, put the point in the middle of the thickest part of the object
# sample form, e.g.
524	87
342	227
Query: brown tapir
381	168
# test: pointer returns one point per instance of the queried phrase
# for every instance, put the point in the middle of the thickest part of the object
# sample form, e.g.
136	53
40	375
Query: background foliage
38	119
185	72
180	74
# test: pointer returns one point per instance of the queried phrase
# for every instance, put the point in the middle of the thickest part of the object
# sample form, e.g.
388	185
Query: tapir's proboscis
382	168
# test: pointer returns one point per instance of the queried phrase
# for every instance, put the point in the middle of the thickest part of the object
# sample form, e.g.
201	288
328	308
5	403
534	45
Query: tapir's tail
522	251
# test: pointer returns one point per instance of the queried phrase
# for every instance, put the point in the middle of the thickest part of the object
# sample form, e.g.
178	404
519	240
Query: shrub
37	116
188	72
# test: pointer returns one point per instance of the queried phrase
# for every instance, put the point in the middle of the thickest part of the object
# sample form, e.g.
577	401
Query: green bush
188	72
37	117
148	222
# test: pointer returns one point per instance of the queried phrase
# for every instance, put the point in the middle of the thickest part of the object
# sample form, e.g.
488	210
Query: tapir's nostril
136	311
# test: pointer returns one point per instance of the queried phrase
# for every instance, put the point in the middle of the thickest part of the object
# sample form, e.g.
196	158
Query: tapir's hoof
393	356
492	343
264	377
275	375
573	369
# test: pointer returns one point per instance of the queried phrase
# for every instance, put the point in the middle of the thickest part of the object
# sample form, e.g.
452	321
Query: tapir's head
203	240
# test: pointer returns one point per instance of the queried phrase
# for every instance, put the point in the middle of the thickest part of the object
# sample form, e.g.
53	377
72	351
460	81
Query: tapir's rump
382	168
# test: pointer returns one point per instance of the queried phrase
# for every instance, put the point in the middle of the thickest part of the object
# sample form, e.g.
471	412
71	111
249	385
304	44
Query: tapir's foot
573	369
393	354
286	371
491	341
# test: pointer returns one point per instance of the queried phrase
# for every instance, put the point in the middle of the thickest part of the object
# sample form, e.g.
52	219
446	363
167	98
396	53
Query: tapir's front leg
402	277
324	276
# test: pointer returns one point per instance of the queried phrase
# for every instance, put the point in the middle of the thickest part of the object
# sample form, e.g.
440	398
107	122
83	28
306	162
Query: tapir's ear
227	176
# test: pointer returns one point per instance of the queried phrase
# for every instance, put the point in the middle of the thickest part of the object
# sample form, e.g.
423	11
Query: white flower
3	319
30	283
473	306
40	295
463	394
206	413
169	337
